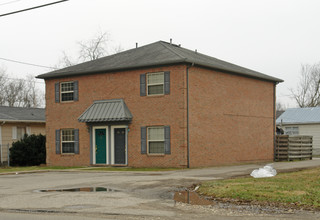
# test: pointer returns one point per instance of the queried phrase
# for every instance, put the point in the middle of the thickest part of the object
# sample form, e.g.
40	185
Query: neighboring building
159	105
15	122
279	113
302	121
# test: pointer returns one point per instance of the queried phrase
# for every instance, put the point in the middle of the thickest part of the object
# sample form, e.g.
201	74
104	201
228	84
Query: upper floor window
66	91
155	83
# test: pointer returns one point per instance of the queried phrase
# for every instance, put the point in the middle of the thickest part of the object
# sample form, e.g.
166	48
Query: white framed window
291	130
21	131
155	138
67	141
18	132
67	91
155	83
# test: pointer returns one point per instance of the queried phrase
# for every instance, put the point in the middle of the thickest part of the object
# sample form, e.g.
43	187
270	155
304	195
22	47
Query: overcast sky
273	37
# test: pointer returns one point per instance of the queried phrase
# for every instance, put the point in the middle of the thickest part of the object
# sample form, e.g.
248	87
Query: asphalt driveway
130	194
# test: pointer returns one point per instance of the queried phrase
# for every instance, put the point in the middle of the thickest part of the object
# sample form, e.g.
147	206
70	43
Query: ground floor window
67	141
291	131
21	131
156	140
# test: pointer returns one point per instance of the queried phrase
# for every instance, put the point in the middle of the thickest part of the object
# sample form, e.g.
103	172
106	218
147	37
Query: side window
66	91
157	83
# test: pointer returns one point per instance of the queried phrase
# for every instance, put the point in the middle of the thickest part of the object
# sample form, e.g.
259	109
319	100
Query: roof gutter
24	121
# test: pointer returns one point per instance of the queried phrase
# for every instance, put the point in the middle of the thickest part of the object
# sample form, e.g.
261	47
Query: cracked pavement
141	194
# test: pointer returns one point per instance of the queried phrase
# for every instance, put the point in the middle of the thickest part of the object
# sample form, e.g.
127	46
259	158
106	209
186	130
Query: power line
30	64
27	9
7	3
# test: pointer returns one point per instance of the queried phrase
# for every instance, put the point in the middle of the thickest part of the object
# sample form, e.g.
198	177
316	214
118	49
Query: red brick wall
146	111
231	118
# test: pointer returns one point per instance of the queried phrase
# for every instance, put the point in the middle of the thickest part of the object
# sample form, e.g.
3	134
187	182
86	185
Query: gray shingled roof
300	116
106	110
155	54
22	114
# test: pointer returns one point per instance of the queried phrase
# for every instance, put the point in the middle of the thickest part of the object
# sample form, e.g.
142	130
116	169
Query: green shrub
29	151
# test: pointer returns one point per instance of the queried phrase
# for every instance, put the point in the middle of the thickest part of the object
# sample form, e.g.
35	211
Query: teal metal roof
300	116
106	111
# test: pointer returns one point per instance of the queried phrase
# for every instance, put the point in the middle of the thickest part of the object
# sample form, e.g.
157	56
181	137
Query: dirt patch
190	196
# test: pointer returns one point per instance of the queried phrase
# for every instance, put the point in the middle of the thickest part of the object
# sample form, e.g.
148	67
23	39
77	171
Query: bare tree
65	61
31	96
13	93
280	106
307	92
2	86
99	46
19	92
94	48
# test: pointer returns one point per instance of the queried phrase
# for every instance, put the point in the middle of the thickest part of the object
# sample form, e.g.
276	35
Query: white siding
311	130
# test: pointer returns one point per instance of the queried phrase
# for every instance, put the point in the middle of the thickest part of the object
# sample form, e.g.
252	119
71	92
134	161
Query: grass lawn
297	188
34	168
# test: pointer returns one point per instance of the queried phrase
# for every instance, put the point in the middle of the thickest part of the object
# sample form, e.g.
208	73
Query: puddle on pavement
83	189
192	198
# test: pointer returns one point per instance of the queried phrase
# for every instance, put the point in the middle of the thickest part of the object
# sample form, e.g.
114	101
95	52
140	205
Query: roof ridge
198	53
165	44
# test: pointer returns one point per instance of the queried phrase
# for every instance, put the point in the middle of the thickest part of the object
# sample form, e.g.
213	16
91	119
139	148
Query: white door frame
94	143
112	142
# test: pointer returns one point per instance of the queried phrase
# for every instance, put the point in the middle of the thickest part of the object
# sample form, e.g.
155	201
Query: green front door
101	157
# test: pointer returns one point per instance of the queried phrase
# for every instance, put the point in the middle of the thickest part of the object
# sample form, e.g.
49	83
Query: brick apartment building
159	105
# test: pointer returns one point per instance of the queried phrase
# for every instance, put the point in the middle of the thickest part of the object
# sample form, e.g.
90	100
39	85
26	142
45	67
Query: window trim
61	92
154	84
155	154
61	141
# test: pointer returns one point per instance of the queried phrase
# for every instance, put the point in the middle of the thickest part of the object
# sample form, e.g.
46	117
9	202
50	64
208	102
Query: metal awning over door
106	111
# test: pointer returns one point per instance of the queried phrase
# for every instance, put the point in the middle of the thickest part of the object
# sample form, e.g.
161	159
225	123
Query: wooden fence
293	147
